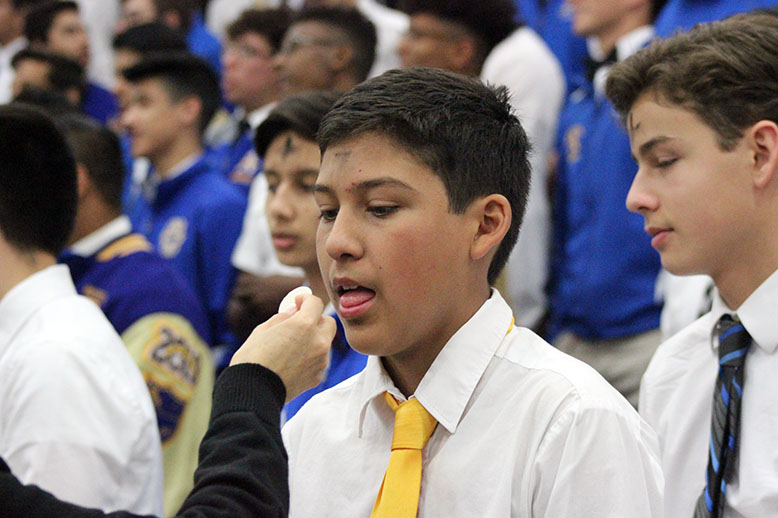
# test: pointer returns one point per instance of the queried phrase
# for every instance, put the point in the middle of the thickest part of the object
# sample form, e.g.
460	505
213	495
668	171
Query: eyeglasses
245	51
294	43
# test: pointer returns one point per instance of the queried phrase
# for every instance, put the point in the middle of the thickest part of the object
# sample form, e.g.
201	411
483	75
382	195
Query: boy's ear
494	214
189	110
763	141
341	57
82	180
464	53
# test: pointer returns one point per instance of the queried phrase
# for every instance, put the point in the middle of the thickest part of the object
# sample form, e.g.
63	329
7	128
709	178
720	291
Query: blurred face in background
68	37
249	78
291	166
136	12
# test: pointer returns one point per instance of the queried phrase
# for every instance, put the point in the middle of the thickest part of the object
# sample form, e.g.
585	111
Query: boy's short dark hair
150	37
724	72
490	20
360	33
41	16
64	73
186	10
269	23
97	149
38	193
301	113
51	102
182	75
463	130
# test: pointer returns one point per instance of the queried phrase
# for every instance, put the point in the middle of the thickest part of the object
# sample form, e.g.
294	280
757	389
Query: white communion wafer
289	302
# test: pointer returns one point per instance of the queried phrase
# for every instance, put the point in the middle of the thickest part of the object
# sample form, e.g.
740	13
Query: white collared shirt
390	26
524	431
7	73
676	398
75	414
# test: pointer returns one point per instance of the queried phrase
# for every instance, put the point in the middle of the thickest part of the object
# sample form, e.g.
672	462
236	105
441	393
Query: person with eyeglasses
326	48
250	82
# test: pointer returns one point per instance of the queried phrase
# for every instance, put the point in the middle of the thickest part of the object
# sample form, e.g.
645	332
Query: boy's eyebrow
367	185
646	147
304	173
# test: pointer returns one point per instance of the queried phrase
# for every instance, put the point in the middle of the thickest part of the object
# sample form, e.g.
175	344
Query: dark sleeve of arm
20	501
243	465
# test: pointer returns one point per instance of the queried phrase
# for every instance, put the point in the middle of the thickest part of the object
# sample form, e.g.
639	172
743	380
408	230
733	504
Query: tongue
356	297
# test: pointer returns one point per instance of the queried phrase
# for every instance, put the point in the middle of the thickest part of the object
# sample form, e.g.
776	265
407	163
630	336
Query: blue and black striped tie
734	342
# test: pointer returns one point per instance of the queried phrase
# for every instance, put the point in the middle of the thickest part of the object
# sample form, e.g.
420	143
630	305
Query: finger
275	320
328	325
310	309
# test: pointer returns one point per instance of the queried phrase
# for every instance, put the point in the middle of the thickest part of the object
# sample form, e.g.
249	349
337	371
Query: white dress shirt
685	299
7	52
676	398
524	431
76	417
523	63
390	26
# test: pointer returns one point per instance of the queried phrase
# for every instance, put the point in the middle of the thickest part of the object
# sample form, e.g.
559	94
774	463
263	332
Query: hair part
38	193
357	32
463	130
301	113
182	75
724	72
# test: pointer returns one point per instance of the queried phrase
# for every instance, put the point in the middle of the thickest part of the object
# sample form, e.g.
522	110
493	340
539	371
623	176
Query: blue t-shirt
193	220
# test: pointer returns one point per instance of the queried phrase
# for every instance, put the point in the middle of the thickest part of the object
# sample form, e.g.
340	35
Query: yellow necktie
399	493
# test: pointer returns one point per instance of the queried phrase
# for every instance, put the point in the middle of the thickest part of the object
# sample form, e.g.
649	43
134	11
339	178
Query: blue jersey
344	363
165	329
194	220
684	14
238	161
603	268
128	280
201	42
99	103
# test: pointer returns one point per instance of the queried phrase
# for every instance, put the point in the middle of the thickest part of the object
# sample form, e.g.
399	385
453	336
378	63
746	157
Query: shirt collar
627	45
758	313
182	167
9	51
28	296
448	385
91	244
259	115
